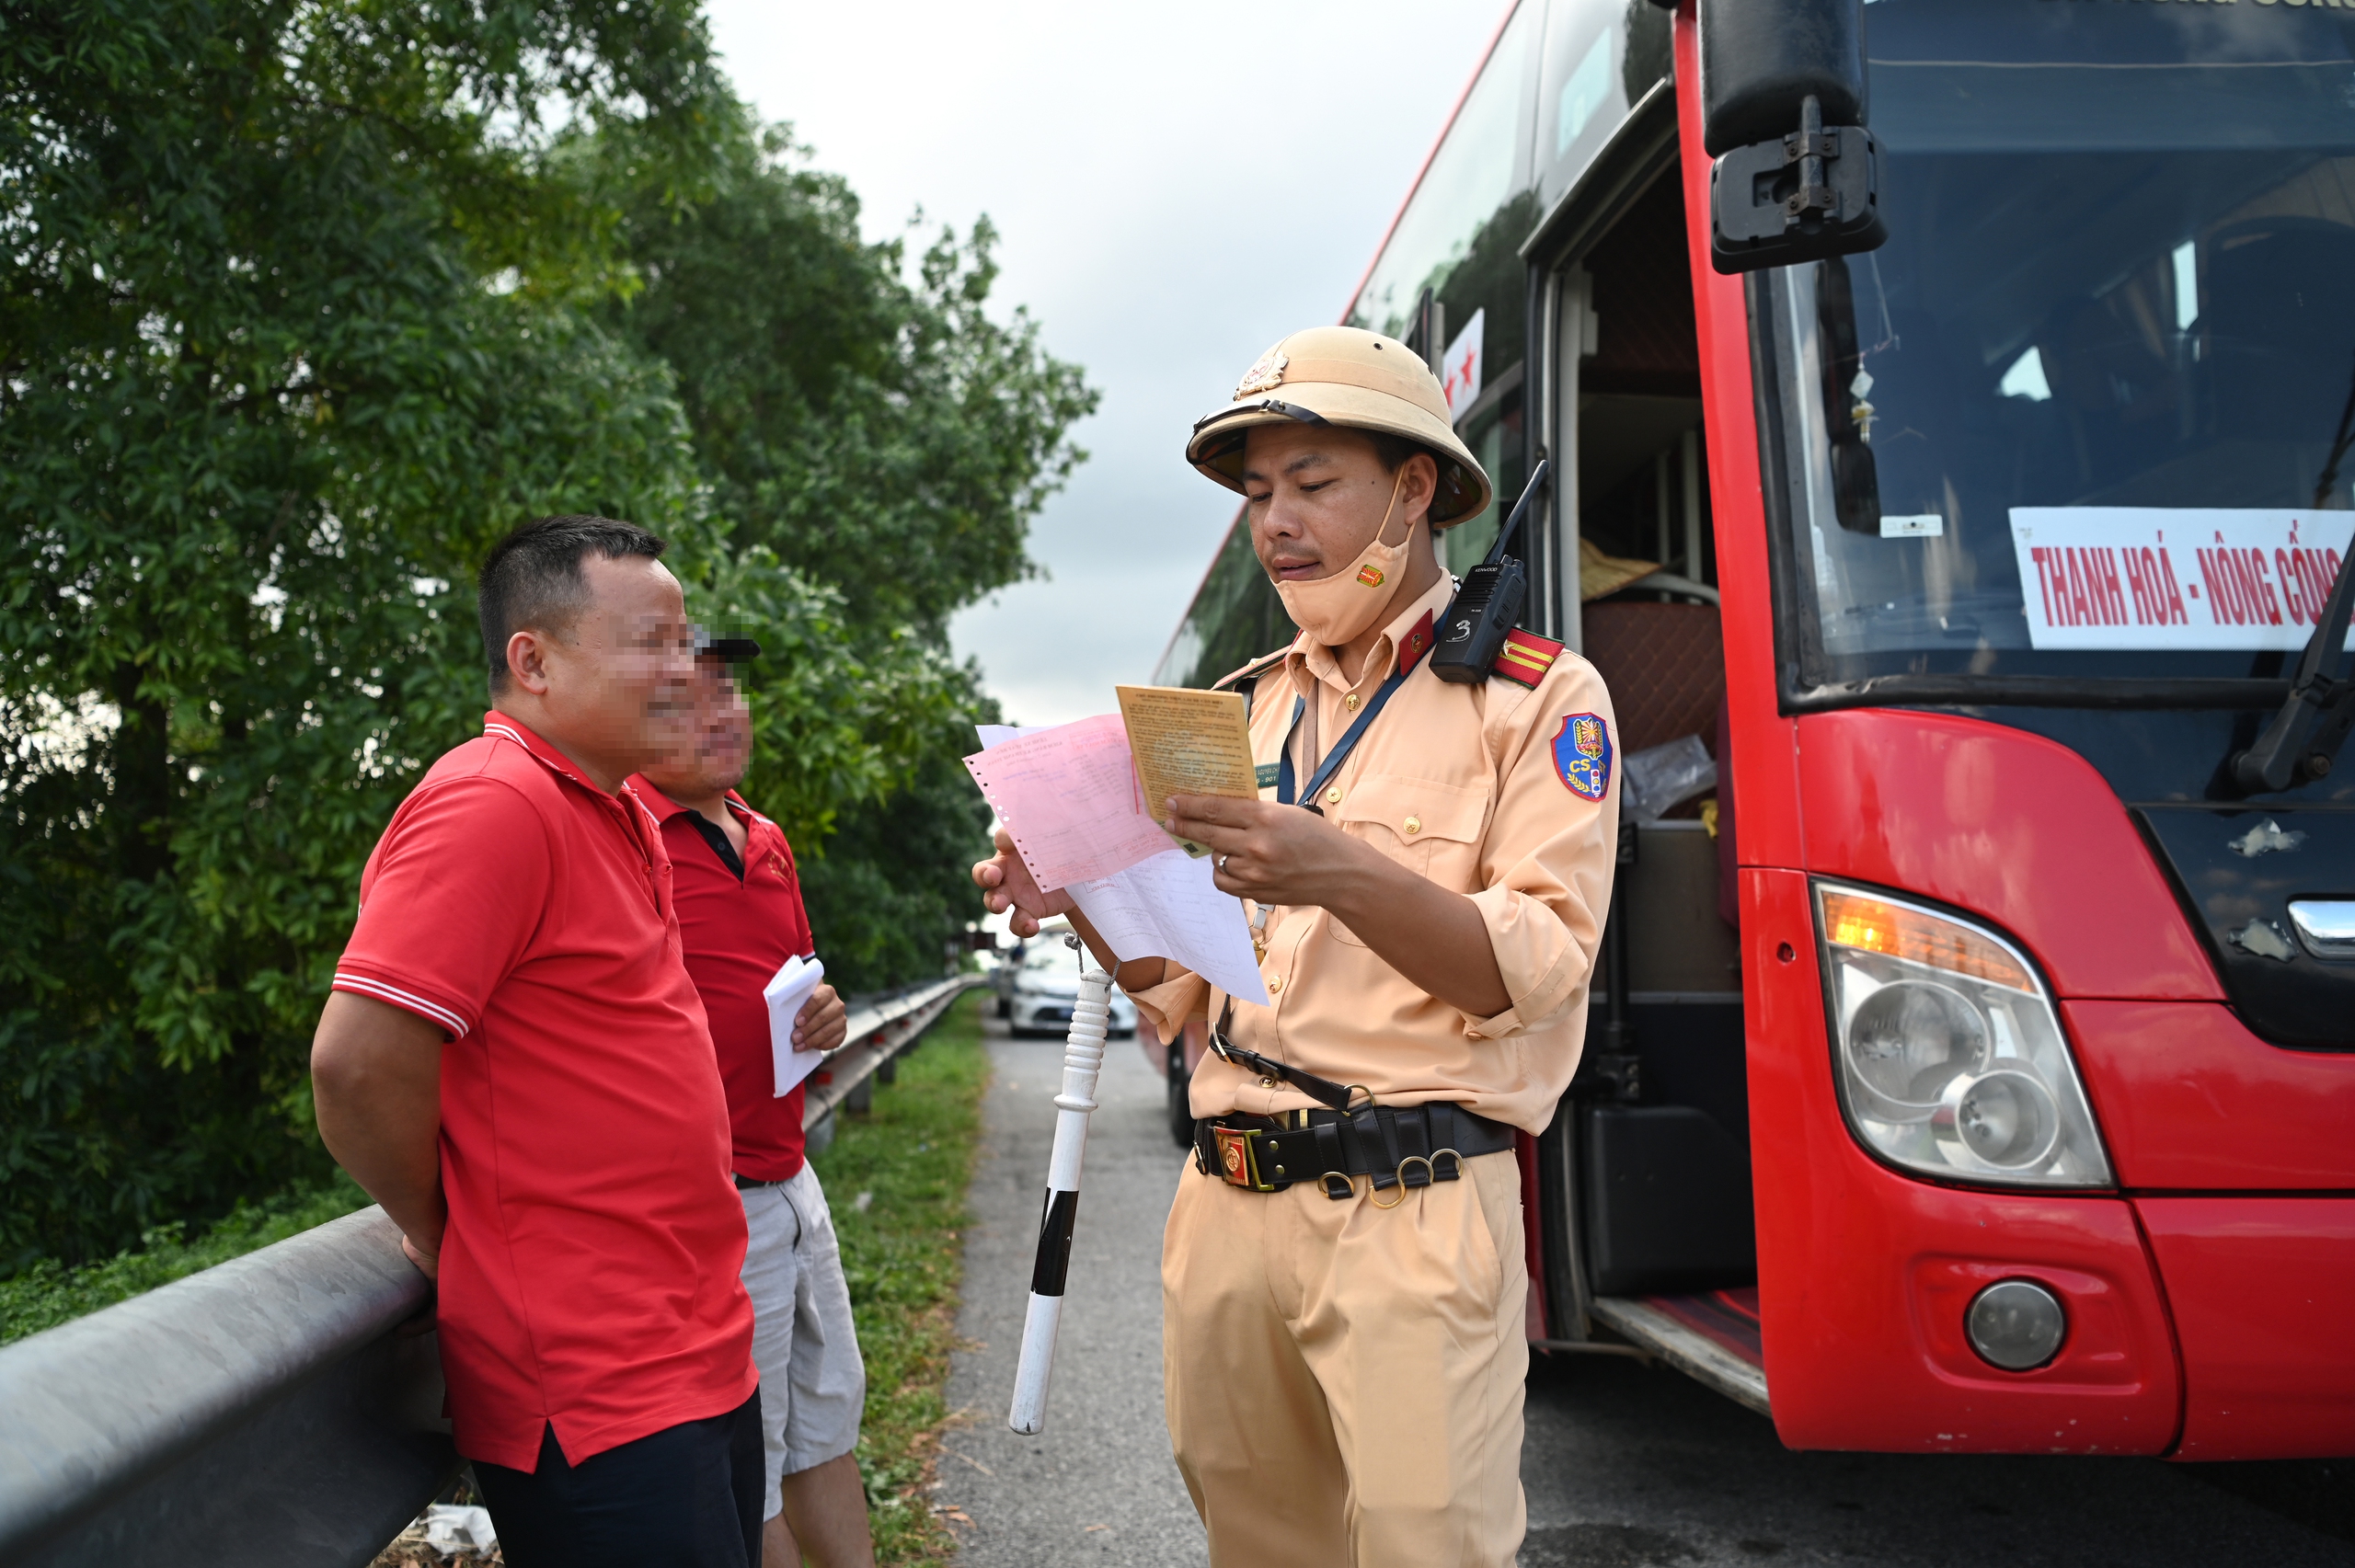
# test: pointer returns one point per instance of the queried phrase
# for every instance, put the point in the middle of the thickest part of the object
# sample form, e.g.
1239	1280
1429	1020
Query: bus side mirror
1798	176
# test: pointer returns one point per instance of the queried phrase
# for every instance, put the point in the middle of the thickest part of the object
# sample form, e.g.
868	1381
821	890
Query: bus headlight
1951	1059
2004	1120
1907	1042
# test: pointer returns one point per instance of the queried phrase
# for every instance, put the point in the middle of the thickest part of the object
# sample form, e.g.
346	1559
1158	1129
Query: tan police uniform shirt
1462	785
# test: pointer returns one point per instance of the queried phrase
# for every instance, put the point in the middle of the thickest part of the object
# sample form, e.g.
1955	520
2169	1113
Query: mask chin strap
1396	485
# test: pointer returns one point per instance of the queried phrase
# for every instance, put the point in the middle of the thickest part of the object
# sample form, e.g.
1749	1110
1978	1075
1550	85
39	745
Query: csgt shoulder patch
1525	657
1583	755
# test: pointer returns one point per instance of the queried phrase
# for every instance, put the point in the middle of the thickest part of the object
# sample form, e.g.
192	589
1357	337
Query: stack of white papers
1157	904
787	995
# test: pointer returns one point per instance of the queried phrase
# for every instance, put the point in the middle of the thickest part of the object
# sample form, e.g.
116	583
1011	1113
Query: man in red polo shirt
740	918
515	1064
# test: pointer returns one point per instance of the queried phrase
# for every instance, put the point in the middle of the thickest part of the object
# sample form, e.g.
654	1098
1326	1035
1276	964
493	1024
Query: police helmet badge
1583	755
1266	374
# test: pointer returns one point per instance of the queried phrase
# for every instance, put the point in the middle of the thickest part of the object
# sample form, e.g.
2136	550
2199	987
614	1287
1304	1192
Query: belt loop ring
1349	1186
1393	1202
1361	1089
1428	1170
1455	1154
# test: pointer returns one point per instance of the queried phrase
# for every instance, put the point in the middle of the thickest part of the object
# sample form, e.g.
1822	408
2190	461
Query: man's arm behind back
376	1085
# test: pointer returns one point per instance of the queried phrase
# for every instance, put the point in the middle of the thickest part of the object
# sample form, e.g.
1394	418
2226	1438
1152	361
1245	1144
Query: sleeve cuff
406	1000
1170	1003
1539	964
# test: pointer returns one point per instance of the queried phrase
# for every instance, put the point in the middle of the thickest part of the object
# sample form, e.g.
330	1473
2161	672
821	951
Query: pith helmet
1347	376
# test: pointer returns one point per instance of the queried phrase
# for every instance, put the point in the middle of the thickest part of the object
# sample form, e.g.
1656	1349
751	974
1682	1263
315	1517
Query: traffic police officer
1427	870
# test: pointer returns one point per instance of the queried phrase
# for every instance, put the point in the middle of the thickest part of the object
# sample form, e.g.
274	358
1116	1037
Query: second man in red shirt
740	917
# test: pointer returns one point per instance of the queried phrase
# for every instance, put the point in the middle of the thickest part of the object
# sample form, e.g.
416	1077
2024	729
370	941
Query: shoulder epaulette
1525	657
1258	666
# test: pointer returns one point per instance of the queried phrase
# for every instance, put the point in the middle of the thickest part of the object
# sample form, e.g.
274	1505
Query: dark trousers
688	1497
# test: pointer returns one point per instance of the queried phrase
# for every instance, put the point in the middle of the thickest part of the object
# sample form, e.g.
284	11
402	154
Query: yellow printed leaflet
1187	742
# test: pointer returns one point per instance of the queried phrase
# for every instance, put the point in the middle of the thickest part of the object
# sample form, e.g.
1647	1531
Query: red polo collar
499	727
662	807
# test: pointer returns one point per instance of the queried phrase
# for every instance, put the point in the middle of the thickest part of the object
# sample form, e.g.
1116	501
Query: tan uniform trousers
1344	1382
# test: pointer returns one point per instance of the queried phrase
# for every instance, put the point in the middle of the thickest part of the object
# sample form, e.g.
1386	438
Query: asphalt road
1627	1466
1098	1486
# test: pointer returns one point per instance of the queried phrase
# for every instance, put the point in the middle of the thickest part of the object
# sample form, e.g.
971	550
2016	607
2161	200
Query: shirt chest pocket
1432	829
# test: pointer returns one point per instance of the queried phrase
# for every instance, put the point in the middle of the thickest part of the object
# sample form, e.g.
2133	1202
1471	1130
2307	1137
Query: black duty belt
1397	1146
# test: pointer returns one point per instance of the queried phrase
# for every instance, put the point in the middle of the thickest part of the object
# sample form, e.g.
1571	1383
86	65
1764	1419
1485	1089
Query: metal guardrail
879	1030
282	1408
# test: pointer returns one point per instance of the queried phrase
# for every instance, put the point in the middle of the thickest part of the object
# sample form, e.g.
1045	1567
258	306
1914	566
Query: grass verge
914	1153
49	1293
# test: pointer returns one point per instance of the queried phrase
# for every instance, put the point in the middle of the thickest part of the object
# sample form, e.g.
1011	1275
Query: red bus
1952	407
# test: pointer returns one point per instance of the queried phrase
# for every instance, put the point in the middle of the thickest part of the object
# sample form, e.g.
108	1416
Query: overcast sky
1176	188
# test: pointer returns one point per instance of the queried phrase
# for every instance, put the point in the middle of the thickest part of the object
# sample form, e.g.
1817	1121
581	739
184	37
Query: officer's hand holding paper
786	994
1069	797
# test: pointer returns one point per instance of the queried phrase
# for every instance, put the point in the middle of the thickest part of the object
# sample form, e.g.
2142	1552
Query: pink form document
1165	906
1068	797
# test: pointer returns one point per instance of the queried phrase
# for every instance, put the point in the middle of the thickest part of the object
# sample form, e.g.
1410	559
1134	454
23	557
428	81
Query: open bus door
1643	1179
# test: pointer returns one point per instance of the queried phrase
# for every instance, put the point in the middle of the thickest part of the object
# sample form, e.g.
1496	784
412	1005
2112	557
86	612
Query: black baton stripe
1054	1243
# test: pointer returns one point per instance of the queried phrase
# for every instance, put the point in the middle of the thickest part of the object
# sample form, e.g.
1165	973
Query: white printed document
786	994
1161	906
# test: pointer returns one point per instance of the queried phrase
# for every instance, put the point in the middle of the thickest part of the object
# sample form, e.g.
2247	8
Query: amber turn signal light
1852	920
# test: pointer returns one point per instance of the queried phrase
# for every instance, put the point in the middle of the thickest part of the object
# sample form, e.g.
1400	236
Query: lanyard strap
1341	748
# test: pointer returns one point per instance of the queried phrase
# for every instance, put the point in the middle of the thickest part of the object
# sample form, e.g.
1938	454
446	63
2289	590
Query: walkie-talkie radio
1488	605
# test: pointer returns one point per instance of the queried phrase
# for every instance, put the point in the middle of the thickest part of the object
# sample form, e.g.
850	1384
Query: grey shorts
813	1384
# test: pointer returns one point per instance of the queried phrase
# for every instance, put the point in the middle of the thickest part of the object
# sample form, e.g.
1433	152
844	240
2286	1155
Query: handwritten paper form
1164	906
1068	797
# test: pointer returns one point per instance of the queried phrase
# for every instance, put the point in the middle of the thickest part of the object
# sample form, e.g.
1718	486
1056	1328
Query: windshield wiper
2305	736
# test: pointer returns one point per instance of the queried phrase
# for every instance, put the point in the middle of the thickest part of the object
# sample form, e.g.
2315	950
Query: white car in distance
1044	984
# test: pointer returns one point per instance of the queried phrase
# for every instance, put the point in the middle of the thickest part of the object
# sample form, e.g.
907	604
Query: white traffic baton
1091	1016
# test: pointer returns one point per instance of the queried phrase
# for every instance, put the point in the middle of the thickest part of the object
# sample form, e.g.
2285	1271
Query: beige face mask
1335	609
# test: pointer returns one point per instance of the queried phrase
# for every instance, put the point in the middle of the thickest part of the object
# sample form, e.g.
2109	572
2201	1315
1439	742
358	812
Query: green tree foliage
863	419
301	306
883	433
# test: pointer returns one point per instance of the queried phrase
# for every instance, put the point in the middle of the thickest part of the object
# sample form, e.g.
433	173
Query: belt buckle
1237	1162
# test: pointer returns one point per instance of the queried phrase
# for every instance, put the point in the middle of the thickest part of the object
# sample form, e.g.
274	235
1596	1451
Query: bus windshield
2088	412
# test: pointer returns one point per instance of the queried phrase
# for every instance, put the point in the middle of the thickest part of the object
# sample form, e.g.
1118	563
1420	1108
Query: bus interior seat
1665	664
1666	1180
2264	362
2279	326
